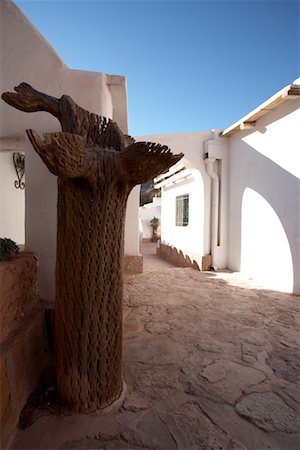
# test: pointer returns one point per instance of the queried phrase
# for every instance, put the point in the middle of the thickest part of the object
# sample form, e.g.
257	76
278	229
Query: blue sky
190	65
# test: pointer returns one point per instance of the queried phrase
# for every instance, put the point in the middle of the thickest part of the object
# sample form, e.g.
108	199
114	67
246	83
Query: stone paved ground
210	362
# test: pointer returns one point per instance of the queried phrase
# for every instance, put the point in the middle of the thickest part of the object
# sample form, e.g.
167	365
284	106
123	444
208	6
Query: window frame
182	210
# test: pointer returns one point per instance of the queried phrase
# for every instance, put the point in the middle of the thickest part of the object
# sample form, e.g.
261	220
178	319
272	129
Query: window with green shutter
182	210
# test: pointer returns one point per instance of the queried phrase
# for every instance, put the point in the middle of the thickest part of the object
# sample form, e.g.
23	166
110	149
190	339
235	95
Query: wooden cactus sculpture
97	166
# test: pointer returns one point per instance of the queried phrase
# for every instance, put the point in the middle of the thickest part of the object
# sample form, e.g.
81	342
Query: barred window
182	210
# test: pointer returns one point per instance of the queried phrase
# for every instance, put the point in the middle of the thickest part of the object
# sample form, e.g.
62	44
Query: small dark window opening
182	210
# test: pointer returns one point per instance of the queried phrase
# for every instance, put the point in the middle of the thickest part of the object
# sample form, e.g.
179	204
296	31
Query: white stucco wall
12	205
194	146
146	213
264	188
131	243
217	149
190	238
27	56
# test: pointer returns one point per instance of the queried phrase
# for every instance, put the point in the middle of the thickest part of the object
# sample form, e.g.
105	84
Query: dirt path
210	362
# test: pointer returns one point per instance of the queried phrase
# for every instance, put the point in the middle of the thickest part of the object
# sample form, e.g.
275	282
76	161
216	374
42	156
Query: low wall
23	339
176	257
133	264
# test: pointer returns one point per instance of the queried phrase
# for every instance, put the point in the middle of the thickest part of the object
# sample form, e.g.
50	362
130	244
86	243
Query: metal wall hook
19	162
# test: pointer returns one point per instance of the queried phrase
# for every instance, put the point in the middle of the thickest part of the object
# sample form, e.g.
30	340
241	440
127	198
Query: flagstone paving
211	362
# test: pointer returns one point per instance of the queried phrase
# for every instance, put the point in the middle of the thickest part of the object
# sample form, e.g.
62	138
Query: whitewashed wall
12	204
27	56
146	213
131	244
217	149
190	238
194	146
264	192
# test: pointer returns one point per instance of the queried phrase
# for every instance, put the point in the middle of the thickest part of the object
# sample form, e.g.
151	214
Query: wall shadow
278	187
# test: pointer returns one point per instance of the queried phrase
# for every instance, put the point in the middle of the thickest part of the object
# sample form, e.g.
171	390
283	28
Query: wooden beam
16	144
247	125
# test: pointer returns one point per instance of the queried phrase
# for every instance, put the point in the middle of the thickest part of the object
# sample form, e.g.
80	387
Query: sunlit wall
12	204
265	250
190	238
264	199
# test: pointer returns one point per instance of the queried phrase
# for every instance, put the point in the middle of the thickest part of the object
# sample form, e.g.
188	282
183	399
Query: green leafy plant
7	248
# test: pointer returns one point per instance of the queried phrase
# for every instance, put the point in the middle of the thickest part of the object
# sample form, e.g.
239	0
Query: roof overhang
290	92
174	175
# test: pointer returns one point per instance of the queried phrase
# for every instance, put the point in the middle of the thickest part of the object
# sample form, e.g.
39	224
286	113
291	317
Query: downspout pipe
214	235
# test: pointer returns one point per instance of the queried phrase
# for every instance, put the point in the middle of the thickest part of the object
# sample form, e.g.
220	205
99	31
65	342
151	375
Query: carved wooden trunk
89	308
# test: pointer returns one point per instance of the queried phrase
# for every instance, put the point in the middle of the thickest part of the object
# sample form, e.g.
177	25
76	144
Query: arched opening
265	250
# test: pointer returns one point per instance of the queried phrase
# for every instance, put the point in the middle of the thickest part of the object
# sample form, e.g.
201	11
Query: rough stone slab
157	350
132	329
50	432
202	389
153	382
209	345
235	426
192	427
269	412
158	327
200	431
146	429
285	363
249	352
177	434
134	402
94	444
293	392
231	379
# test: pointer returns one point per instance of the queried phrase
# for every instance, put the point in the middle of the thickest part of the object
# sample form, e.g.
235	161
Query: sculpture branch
96	129
64	154
28	99
143	161
42	150
73	119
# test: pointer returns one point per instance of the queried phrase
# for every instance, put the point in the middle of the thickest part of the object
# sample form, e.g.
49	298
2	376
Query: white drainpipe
210	163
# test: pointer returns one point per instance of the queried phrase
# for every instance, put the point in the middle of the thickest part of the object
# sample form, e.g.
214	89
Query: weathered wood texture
97	166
